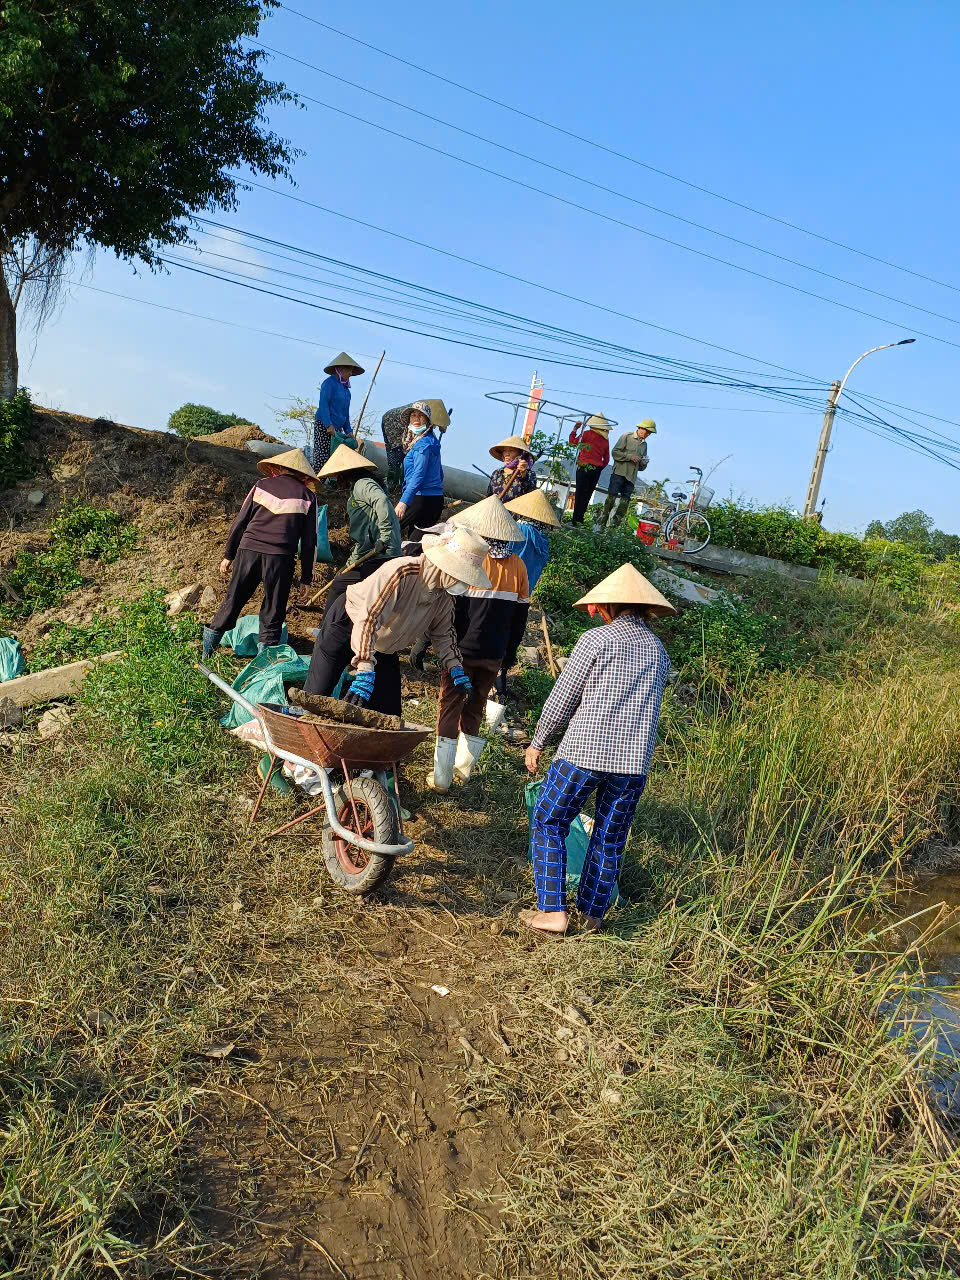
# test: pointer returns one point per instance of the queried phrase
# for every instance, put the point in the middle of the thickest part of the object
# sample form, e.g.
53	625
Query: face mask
458	589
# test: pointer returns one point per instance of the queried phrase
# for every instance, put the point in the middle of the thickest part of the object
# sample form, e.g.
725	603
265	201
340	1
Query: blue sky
839	117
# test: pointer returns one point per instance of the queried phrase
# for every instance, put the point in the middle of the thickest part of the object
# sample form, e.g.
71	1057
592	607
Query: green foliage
16	420
79	532
121	117
192	420
154	699
731	638
578	561
553	456
916	529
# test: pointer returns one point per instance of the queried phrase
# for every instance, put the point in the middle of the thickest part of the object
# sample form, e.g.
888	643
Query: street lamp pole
836	390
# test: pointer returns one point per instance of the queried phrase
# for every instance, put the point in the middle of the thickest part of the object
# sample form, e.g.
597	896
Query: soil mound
182	495
236	437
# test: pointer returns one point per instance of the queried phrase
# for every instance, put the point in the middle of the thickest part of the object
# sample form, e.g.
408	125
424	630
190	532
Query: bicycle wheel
691	529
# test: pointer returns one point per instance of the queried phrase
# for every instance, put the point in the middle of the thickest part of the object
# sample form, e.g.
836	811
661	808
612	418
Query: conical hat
293	460
489	519
535	505
344	459
343	361
439	413
461	554
627	585
511	442
597	422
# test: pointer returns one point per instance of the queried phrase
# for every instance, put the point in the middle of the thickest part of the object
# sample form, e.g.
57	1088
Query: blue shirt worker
607	698
421	500
332	417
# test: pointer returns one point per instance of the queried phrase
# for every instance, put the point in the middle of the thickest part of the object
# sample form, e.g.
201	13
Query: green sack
577	842
11	659
265	680
244	637
324	554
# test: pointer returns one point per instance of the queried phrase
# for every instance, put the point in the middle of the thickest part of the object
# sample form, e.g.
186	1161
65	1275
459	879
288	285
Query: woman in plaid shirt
607	698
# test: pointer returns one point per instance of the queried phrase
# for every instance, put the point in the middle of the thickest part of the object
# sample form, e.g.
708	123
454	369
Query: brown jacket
398	605
628	455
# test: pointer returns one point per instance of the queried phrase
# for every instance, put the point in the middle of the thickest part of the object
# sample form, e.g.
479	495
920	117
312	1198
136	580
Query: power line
621	222
599	186
620	155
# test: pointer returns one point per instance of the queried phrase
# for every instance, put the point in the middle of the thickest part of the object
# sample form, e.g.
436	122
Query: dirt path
362	1144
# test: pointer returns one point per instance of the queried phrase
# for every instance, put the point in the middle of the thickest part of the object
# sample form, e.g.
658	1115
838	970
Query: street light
836	389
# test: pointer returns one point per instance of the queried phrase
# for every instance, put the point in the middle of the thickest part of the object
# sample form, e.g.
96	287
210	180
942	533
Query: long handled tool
323	590
363	407
554	669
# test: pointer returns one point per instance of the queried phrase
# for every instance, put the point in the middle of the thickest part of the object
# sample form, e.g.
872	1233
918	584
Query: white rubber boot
440	776
469	751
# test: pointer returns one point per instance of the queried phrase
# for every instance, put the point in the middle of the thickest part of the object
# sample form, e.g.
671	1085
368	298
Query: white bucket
495	713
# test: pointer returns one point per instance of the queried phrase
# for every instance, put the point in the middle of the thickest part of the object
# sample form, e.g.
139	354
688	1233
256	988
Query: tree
192	420
118	120
912	528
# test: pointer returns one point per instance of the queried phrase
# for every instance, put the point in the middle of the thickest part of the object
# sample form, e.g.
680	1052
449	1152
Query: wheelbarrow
363	834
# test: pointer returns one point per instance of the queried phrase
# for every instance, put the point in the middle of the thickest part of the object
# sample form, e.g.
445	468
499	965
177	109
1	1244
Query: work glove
500	684
379	547
362	689
461	680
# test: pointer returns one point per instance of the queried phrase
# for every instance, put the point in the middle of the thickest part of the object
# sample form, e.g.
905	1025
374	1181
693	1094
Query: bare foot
544	921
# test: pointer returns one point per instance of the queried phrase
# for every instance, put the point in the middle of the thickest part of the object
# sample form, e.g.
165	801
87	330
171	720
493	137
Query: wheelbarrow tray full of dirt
363	833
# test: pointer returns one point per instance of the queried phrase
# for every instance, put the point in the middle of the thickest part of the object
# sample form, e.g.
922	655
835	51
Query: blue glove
361	689
461	680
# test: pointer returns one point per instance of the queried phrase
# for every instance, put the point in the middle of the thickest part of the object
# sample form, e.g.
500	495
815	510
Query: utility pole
836	390
816	475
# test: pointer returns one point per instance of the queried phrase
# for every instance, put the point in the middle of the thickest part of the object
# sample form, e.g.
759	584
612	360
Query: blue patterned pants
564	790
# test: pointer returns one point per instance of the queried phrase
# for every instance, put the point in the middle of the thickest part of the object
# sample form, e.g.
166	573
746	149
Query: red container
647	531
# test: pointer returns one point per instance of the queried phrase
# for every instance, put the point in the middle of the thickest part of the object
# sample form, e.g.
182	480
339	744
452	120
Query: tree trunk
9	368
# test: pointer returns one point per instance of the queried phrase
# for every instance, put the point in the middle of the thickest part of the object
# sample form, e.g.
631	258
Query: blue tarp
242	639
11	659
265	680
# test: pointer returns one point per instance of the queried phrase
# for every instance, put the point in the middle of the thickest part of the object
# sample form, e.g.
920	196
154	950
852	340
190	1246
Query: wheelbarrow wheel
354	869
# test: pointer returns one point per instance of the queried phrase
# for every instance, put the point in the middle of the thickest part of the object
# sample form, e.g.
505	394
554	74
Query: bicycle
681	524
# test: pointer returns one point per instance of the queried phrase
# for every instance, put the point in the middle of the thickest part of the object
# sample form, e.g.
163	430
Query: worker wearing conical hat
278	515
535	518
515	476
629	457
488	619
397	437
593	456
332	417
607	698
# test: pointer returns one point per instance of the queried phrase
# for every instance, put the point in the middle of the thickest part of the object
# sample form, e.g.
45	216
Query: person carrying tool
421	500
593	456
373	523
607	698
488	620
373	620
629	457
516	476
278	515
332	417
395	425
535	518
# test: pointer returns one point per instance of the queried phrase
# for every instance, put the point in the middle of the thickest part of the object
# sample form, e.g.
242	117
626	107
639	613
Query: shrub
79	532
192	420
730	638
578	561
16	420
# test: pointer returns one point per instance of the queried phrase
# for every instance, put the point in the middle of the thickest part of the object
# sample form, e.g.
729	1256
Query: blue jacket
534	551
334	407
422	472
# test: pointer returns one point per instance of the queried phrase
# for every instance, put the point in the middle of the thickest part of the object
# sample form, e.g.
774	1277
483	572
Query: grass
764	1125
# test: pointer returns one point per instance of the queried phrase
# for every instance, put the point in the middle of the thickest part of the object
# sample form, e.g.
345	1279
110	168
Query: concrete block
682	588
46	686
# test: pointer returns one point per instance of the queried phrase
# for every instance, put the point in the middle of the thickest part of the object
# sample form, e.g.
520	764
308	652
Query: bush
79	532
732	639
16	420
578	561
192	420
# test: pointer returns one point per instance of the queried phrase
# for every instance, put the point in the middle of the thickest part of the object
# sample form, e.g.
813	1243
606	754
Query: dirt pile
236	437
182	495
